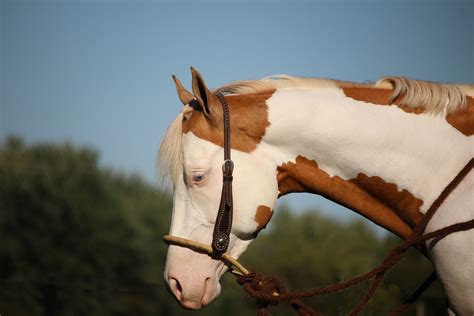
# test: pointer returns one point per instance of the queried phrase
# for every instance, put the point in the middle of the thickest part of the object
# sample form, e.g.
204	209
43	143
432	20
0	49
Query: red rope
269	290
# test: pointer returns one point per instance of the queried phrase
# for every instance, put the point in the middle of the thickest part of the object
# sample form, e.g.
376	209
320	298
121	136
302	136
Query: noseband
223	225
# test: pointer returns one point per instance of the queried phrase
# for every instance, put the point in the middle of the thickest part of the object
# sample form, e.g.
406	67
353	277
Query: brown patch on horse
262	217
378	96
403	202
369	196
248	121
462	120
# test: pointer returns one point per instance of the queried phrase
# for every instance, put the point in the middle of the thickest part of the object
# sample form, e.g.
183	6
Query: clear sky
98	73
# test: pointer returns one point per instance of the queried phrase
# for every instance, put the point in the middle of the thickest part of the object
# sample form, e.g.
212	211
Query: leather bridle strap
223	225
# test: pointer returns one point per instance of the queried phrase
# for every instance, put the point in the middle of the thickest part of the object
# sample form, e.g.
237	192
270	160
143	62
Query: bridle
223	225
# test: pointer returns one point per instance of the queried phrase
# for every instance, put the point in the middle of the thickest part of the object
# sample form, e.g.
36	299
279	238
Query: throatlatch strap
223	225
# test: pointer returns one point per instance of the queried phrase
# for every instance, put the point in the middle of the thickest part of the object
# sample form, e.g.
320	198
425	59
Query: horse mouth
191	305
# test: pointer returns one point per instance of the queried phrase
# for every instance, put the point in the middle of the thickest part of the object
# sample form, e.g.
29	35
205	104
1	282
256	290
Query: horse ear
202	94
184	95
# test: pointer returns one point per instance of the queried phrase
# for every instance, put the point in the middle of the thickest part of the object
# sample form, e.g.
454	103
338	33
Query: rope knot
262	287
269	290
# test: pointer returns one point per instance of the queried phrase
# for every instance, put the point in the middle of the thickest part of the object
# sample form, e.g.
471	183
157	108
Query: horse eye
198	177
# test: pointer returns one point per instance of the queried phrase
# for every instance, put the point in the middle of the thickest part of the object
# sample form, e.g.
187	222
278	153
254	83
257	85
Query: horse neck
375	160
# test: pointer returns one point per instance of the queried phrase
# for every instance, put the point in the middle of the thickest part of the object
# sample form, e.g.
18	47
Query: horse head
192	153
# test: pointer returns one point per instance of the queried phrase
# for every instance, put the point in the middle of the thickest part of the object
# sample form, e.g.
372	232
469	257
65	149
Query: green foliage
78	239
75	236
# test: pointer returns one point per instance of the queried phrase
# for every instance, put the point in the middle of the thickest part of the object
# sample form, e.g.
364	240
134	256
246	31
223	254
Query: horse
385	150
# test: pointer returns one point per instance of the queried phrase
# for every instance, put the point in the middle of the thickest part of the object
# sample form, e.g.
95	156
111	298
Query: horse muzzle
192	277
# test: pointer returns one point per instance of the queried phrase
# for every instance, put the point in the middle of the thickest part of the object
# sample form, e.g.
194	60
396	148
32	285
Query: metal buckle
228	167
220	243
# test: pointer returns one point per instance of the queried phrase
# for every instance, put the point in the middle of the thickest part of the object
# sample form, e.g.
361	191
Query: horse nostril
207	297
176	288
206	284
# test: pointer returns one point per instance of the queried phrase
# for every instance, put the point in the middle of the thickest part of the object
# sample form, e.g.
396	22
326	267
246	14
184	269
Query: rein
269	290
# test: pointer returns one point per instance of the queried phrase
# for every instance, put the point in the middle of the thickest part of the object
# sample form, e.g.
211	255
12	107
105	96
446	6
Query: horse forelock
170	153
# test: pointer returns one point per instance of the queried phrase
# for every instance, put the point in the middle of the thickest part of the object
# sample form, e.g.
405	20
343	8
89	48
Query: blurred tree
77	239
73	235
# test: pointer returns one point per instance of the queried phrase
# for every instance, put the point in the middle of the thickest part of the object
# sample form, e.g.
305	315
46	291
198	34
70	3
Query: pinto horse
385	150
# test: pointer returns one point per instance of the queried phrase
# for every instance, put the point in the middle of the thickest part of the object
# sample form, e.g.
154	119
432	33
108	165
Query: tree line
80	239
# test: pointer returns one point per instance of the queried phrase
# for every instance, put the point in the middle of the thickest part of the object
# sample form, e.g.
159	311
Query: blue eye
198	177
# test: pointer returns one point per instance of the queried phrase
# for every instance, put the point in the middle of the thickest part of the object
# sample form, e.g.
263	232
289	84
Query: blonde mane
433	97
272	83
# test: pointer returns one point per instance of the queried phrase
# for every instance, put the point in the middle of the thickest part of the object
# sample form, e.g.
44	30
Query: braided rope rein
269	290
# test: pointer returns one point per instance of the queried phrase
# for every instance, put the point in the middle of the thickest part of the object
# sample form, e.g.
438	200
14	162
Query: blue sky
98	73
